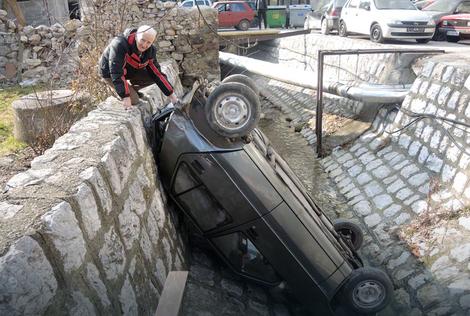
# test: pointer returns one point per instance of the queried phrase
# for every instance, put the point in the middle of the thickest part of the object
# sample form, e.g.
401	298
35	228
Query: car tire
350	232
247	81
232	110
343	31
243	25
423	40
325	30
367	291
438	36
453	39
376	34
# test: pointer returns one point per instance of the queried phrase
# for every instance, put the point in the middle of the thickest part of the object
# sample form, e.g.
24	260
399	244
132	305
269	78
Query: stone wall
44	53
301	52
86	230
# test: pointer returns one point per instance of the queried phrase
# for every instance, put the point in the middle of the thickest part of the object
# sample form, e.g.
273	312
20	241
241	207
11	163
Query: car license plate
415	29
453	33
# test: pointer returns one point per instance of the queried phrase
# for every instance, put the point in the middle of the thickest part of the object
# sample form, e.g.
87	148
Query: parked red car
236	14
454	27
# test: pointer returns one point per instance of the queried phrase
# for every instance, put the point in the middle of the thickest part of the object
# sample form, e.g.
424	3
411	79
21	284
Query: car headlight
431	23
445	23
392	23
468	23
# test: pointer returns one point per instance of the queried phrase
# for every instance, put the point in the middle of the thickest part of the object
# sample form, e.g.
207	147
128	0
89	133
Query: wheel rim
232	113
375	33
348	234
368	294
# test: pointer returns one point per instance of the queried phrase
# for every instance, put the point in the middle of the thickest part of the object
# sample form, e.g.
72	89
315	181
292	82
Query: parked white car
192	3
386	19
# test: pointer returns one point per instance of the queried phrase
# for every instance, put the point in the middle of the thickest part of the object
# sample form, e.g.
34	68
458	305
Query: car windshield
394	5
442	6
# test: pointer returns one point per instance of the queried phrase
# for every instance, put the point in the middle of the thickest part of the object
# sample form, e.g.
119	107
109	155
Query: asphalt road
460	47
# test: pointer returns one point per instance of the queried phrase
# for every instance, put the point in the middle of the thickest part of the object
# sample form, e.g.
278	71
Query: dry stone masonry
407	179
86	230
42	53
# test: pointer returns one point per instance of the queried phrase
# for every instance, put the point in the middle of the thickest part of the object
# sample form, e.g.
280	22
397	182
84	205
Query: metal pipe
383	94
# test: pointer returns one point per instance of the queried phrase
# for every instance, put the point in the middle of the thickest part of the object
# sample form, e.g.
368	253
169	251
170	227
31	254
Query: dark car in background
326	17
246	202
454	27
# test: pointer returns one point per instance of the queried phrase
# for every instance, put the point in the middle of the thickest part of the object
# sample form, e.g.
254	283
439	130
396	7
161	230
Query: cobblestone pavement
386	186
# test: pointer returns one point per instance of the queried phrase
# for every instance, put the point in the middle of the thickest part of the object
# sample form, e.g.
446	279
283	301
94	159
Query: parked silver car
386	19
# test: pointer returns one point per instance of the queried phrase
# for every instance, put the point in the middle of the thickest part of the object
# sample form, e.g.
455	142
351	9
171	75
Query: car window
244	256
464	7
394	5
353	4
184	179
364	4
200	2
339	3
238	7
199	202
224	7
188	4
442	6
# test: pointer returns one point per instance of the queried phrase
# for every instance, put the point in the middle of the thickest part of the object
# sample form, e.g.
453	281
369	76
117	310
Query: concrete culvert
46	115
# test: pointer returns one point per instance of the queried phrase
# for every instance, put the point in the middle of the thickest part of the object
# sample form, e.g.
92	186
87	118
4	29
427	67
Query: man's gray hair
146	29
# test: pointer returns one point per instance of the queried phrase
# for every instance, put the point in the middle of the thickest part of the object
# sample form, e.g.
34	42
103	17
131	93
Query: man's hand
173	98
126	102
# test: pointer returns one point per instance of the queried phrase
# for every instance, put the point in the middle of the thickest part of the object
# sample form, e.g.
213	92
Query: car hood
404	15
435	15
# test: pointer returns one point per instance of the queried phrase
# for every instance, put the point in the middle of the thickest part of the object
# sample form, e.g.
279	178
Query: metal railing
321	56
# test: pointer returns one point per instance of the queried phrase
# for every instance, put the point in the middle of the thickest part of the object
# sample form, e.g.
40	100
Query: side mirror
367	7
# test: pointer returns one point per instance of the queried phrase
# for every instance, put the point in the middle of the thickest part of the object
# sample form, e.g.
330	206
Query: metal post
319	117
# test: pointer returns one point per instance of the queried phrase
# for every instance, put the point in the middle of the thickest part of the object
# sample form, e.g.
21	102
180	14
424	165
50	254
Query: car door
349	15
225	16
364	14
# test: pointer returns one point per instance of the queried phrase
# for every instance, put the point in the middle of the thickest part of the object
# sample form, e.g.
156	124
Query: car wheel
325	30
453	39
232	110
343	31
423	40
376	35
350	232
247	81
367	291
244	25
438	36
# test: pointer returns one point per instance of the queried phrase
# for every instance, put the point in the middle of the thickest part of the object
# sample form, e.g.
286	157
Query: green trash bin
276	15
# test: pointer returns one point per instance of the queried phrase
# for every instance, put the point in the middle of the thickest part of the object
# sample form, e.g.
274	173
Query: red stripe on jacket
160	76
135	64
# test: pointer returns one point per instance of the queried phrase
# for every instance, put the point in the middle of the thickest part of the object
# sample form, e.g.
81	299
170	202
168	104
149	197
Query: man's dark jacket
122	61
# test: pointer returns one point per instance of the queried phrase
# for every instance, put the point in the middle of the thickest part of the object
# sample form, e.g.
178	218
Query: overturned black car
246	202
